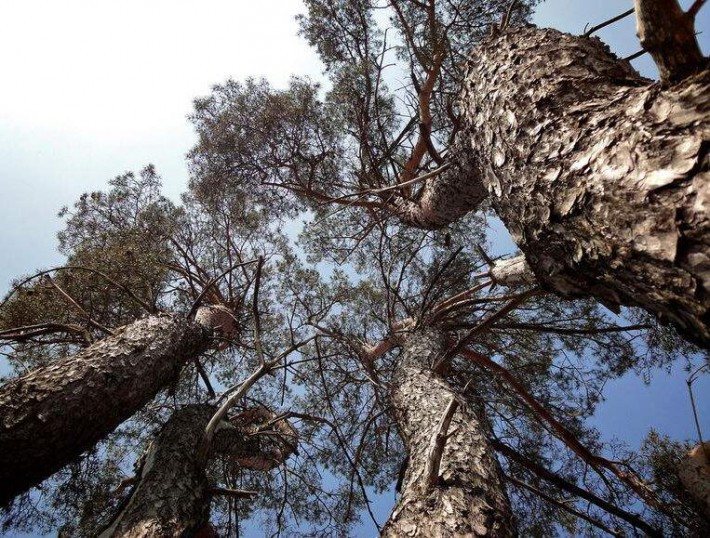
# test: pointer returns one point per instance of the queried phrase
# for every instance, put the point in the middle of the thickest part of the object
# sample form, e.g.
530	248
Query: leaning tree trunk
602	178
453	484
53	414
172	497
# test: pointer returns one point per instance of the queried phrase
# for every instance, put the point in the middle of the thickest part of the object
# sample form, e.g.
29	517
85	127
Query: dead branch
437	445
606	23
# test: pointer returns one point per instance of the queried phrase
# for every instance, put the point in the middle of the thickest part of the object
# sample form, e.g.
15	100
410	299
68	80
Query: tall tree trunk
602	178
172	497
453	484
53	414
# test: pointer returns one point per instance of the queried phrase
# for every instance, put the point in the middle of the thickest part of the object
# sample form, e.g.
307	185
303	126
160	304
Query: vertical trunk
53	414
453	484
172	498
602	179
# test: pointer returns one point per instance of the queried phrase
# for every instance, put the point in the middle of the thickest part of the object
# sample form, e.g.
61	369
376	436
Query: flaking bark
468	498
602	178
50	416
172	498
694	472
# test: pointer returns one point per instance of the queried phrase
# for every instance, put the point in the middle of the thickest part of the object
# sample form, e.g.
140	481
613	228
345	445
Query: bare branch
564	506
211	283
564	485
76	305
630	478
607	23
437	445
234	493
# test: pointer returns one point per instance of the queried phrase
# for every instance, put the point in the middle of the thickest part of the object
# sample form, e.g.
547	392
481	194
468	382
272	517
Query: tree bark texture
50	416
512	272
466	496
694	472
172	497
602	178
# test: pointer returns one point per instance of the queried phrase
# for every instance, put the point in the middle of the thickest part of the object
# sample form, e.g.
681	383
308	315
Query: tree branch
668	34
563	505
512	454
607	23
437	445
630	478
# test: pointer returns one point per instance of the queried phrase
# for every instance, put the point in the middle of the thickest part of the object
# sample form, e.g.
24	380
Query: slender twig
607	23
565	485
571	331
76	305
39	329
211	283
635	55
390	188
205	379
508	307
630	478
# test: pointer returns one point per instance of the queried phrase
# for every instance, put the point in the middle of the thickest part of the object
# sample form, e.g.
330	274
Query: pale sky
94	88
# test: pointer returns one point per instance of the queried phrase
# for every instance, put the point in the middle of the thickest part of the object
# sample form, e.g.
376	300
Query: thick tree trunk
172	497
53	414
453	484
602	178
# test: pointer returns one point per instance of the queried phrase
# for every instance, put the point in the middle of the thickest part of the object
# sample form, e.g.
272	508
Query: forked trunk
50	416
453	484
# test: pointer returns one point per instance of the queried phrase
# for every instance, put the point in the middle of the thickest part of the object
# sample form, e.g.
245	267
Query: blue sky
93	89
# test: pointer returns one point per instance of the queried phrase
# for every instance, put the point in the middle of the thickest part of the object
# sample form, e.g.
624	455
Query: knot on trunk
275	439
222	320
